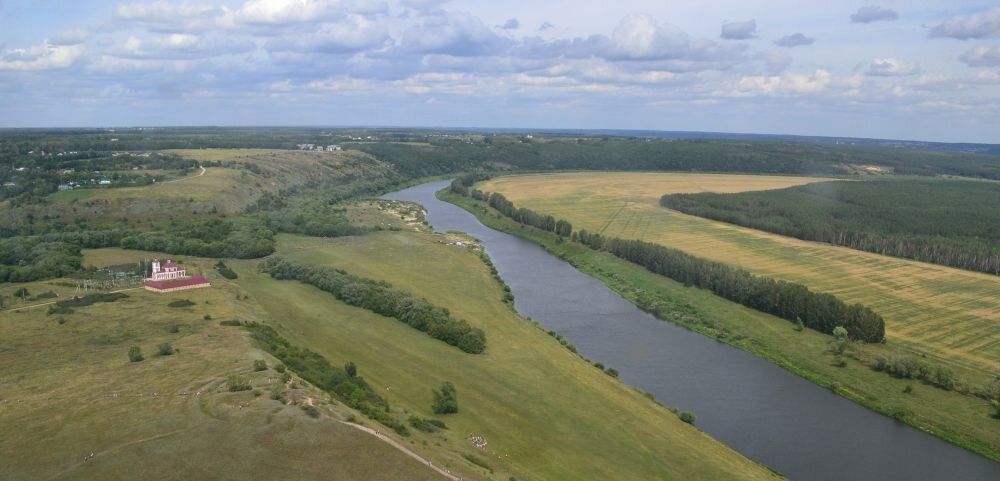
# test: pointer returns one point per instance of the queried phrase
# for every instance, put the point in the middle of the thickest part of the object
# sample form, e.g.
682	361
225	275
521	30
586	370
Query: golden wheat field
944	313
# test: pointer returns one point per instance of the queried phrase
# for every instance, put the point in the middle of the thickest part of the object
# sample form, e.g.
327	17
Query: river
763	411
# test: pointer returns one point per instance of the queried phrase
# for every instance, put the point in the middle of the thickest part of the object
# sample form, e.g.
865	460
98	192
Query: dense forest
623	154
788	300
948	222
383	299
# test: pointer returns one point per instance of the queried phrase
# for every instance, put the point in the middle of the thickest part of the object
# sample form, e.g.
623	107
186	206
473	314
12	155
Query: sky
915	70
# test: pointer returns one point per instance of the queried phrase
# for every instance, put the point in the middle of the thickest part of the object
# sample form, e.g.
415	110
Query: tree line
947	222
462	186
343	383
788	300
381	298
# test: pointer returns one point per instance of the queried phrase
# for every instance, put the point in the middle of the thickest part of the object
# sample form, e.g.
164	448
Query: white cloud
890	67
873	14
785	84
458	34
180	46
794	40
982	56
46	56
355	33
984	24
284	12
739	30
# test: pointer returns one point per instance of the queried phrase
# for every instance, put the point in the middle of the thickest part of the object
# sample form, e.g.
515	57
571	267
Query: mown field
544	412
947	314
72	405
963	420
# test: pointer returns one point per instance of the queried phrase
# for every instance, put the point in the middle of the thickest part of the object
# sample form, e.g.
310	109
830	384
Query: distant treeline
383	299
441	156
947	222
788	300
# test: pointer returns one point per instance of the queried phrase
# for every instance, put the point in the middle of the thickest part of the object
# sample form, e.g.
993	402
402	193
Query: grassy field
963	420
72	406
545	413
947	314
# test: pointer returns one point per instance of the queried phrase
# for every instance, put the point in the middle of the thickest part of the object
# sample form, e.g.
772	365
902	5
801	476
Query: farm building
170	277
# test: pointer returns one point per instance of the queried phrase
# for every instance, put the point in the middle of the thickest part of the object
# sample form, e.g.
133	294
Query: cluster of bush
66	307
225	271
245	238
382	298
445	399
344	384
908	367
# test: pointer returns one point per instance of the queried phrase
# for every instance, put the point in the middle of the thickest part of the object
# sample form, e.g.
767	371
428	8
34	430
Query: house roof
174	283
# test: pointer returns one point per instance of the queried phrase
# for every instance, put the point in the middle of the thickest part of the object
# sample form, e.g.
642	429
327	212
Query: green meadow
544	412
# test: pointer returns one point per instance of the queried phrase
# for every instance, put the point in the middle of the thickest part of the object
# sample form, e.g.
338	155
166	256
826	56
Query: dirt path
115	448
186	178
392	442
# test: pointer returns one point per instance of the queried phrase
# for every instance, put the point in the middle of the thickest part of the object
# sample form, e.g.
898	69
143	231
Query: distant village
320	148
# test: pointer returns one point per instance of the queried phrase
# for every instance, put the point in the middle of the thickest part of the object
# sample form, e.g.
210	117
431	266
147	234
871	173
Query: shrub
180	303
135	354
238	383
445	400
231	322
943	378
472	458
351	369
687	417
174	329
165	349
207	317
225	271
280	368
259	365
421	424
908	389
612	372
311	410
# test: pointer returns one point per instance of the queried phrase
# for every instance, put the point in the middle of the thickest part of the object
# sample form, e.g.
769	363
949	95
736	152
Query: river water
763	411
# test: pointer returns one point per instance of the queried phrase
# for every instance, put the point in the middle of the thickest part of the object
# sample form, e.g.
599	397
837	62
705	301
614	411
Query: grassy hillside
545	413
232	180
963	420
947	314
72	405
947	222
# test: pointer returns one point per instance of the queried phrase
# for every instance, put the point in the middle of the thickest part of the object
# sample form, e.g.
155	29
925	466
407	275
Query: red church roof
175	283
167	264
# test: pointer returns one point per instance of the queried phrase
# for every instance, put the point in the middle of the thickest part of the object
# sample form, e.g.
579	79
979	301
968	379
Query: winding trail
403	449
186	178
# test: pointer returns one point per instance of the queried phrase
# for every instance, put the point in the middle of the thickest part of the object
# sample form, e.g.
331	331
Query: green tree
445	399
351	369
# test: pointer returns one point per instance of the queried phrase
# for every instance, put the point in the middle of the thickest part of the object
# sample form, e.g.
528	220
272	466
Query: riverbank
960	419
